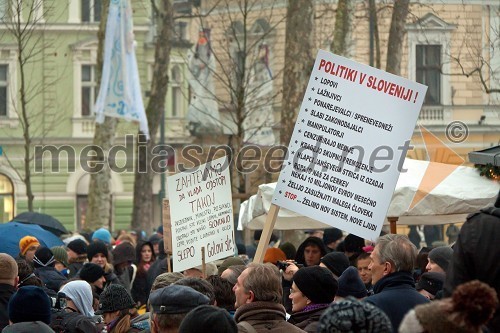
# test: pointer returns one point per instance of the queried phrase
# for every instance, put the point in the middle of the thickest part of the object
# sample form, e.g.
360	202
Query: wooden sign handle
203	263
266	233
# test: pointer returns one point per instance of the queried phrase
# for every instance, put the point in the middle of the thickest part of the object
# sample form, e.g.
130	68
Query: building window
428	71
89	89
4	88
6	199
176	91
91	11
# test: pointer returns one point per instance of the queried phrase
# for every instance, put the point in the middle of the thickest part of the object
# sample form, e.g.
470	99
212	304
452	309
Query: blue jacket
395	294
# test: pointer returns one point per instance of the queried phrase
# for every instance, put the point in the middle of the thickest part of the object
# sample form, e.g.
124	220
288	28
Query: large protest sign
348	145
201	214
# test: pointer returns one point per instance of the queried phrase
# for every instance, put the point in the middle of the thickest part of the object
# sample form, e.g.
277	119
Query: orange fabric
26	242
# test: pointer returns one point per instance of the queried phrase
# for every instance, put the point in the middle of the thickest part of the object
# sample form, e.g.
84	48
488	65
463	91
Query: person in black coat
393	285
44	263
8	283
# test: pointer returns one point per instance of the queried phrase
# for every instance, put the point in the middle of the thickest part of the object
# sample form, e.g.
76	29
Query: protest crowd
331	282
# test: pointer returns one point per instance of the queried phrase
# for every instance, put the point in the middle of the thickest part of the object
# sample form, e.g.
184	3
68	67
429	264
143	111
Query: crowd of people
331	283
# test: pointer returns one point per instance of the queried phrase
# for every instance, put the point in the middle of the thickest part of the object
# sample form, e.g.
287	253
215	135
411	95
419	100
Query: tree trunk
396	34
99	197
375	47
142	214
298	62
343	28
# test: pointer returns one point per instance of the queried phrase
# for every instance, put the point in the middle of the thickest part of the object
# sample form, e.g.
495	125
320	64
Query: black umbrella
45	221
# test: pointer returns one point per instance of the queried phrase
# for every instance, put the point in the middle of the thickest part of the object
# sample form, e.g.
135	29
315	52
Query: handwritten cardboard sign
201	214
349	144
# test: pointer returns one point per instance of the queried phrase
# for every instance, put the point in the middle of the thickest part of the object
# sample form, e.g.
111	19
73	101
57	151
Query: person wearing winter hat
115	303
103	235
94	275
197	271
169	306
29	308
312	291
97	253
289	250
78	314
336	262
352	316
8	283
27	247
44	263
439	259
471	306
228	262
430	284
123	258
350	284
77	256
273	255
332	237
208	319
61	256
353	247
155	240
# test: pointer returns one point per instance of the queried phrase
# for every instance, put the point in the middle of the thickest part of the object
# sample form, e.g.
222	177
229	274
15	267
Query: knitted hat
353	243
60	255
350	284
351	315
331	235
29	303
26	242
91	272
273	255
316	283
123	252
337	262
78	246
207	316
155	239
432	282
103	235
442	256
96	247
115	297
44	258
231	261
176	299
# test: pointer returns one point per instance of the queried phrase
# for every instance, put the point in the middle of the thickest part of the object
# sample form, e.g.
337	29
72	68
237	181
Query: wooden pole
169	266
393	220
203	263
266	233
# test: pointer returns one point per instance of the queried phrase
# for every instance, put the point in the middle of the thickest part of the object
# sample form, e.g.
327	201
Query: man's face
242	296
364	272
100	282
377	268
30	253
312	255
433	267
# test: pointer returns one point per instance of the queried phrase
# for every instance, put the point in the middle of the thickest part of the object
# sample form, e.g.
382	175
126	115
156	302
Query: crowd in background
330	283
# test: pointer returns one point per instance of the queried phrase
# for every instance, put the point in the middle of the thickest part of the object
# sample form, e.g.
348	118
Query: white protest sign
348	145
201	214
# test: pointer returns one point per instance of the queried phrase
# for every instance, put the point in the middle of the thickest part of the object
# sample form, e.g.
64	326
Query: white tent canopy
461	193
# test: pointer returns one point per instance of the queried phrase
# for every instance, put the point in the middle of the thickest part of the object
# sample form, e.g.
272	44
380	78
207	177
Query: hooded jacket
395	294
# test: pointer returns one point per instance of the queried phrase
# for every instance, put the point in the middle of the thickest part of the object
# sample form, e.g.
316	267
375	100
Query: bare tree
298	62
99	196
24	24
396	35
143	186
343	28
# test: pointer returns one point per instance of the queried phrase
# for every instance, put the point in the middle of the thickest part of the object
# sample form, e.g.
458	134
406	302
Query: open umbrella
12	232
47	222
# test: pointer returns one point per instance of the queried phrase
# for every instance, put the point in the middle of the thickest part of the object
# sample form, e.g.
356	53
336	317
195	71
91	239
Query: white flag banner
120	90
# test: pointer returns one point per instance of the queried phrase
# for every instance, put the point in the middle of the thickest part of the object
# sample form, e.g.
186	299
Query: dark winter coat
72	322
395	294
308	320
264	317
28	327
74	268
50	277
475	256
6	291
